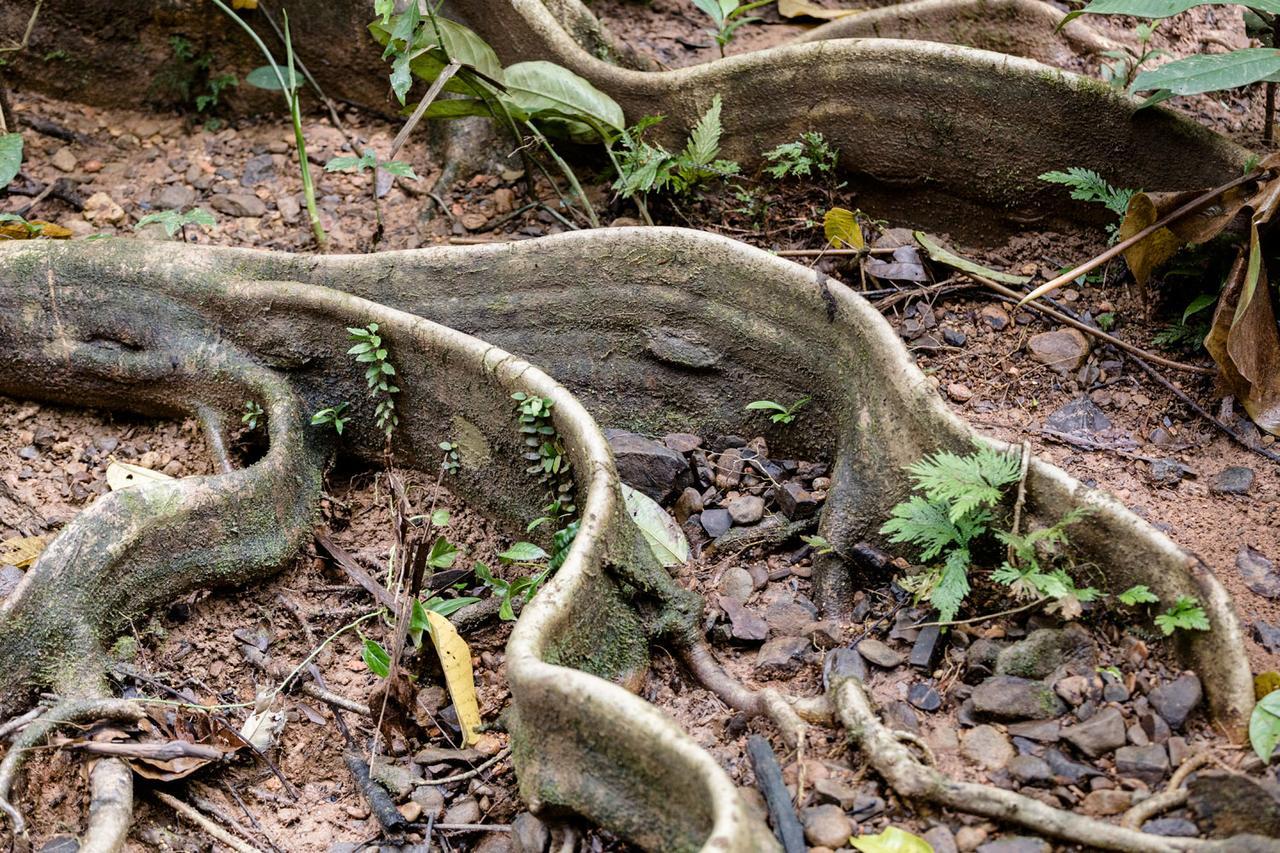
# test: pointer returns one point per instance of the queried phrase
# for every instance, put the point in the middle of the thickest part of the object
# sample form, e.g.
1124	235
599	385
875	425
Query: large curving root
913	779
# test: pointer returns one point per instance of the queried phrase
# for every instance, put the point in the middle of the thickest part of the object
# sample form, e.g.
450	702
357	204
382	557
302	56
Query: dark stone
787	619
682	442
1016	844
927	649
1030	770
901	716
1166	472
1154	727
866	807
965	715
794	501
1081	415
1231	804
1098	735
1070	771
9	578
1177	699
1044	731
879	653
1171	827
1114	691
1027	747
1005	697
781	656
745	624
834	791
843	663
980	659
1148	763
1268	635
1258	572
649	467
924	697
529	835
716	522
1235	480
1046	649
257	170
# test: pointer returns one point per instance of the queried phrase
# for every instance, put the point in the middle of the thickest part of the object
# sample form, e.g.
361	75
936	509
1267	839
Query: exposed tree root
913	780
1171	797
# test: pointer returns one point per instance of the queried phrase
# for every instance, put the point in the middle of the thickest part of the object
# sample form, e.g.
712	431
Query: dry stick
206	805
817	253
475	771
355	571
380	802
436	87
1171	797
212	829
1020	501
912	780
985	618
1119	248
1023	302
769	779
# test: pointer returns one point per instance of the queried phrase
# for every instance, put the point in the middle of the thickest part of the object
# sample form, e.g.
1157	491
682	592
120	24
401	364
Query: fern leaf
923	524
1088	185
965	483
704	141
952	586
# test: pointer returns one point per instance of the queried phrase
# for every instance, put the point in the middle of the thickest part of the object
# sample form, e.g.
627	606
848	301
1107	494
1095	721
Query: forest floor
1093	414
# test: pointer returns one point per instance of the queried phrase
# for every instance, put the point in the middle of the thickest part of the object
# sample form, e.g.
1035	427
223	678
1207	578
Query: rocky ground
1093	720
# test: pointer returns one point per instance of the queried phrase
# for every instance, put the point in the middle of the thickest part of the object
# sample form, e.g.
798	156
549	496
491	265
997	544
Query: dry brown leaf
22	552
809	9
1144	257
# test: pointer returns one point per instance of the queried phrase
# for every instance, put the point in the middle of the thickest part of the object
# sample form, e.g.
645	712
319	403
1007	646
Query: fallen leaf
892	840
122	475
809	9
1149	254
33	229
22	551
942	256
455	659
1265	683
842	230
263	728
244	4
660	531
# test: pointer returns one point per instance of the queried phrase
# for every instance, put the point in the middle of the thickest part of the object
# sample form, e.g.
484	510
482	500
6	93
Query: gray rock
174	197
1005	697
60	843
689	503
238	204
1016	844
1081	415
843	663
650	467
836	792
926	650
1154	727
1044	731
901	716
430	798
464	810
924	697
1236	480
1045	650
716	522
1114	691
290	208
396	778
682	442
1148	763
257	170
781	656
1231	804
1166	471
744	625
826	826
1066	769
1063	350
1258	572
529	835
866	807
980	659
787	619
736	583
879	653
1171	827
493	842
941	839
954	337
795	502
1098	735
1177	699
9	578
826	634
747	509
1030	770
987	746
1268	635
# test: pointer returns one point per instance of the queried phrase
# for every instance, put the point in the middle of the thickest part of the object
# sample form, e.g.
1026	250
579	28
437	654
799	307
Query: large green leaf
665	538
546	90
1264	726
10	157
1161	8
1211	72
942	256
427	57
265	77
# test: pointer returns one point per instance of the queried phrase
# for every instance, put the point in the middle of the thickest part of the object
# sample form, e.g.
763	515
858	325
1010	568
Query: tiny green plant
728	16
1088	185
780	414
808	156
368	349
1138	594
252	414
645	168
215	88
369	160
173	221
522	589
544	450
1106	321
819	544
1128	62
331	415
452	462
1186	614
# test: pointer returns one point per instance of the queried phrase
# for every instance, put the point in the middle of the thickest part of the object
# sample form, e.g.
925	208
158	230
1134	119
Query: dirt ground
122	165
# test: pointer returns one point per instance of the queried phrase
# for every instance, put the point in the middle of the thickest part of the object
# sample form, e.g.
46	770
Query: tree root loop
1171	797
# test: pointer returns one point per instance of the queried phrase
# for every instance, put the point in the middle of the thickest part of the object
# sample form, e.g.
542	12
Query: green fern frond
923	524
965	483
952	586
704	141
1088	185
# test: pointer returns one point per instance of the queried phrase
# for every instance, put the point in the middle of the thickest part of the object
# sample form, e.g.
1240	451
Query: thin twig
212	829
975	619
436	87
475	771
812	253
1020	501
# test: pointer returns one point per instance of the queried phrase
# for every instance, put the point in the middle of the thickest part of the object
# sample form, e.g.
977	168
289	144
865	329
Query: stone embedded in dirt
1236	480
238	205
1098	735
787	619
994	316
986	746
1046	649
926	649
529	835
1016	844
826	826
980	659
1268	635
744	625
63	160
954	337
464	810
1106	802
258	169
924	697
430	799
794	501
1113	690
396	778
1148	763
101	209
836	792
1171	827
843	663
1228	804
904	625
825	634
1075	689
901	716
736	583
1030	770
9	578
1258	572
1044	731
747	509
650	467
1063	767
1154	728
781	656
879	653
866	807
1177	699
689	503
959	392
1081	415
174	197
1063	350
1007	697
729	469
290	208
941	840
716	522
682	442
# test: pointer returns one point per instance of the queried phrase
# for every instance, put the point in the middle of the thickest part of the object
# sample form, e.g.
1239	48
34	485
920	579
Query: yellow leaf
455	658
1265	683
122	475
892	840
244	4
808	9
842	230
22	552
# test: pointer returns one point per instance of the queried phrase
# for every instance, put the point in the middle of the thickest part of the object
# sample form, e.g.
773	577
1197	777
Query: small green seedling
252	414
781	414
452	462
369	160
819	544
1135	595
331	415
216	86
1088	185
1128	62
418	622
375	656
1186	614
728	16
368	349
173	221
809	155
645	168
